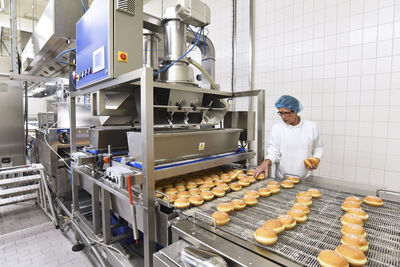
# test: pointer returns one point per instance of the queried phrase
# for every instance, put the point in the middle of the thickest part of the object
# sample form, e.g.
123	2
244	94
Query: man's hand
262	168
312	163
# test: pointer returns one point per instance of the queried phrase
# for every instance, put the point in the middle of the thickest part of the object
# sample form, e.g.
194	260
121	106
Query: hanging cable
63	53
83	5
187	52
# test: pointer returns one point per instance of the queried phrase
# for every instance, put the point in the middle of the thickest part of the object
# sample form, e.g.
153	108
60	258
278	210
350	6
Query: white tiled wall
341	58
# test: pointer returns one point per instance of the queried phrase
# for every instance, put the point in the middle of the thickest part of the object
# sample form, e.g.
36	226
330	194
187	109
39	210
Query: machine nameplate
202	145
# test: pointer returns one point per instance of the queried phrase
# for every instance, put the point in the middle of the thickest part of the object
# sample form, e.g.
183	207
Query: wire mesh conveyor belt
322	228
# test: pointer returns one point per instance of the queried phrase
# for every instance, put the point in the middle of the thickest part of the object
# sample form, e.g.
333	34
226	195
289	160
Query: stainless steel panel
243	120
11	123
174	144
101	137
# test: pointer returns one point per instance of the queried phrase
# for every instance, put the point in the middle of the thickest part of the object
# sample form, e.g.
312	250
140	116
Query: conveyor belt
321	230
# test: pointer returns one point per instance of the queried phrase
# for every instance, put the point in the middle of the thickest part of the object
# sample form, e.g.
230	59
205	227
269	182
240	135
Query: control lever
134	224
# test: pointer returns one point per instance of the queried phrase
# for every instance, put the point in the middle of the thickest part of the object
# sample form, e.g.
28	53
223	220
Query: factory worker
291	141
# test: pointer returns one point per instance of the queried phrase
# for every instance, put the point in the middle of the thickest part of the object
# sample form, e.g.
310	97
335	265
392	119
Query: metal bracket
214	221
389	192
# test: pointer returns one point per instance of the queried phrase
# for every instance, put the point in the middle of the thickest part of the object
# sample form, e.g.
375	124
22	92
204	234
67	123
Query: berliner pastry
359	212
181	203
351	218
222	218
238	204
226	179
196	200
207	195
224	186
275	225
180	182
260	177
315	193
225	207
355	240
204	188
373	201
265	236
215	176
224	175
250	172
264	191
241	176
330	258
159	189
303	194
250	201
218	182
350	205
235	186
244	182
210	184
274	188
198	181
288	221
190	185
294	179
218	191
252	180
353	229
171	190
194	191
168	185
273	182
302	207
298	215
353	254
304	200
172	198
310	161
183	194
353	199
252	193
208	179
287	184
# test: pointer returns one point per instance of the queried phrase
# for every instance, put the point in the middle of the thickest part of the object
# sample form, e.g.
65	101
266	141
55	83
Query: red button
74	77
90	70
123	56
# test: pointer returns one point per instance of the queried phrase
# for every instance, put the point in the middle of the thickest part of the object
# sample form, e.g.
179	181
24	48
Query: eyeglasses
284	113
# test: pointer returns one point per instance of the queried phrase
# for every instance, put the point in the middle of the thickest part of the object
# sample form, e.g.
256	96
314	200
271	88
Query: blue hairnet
289	102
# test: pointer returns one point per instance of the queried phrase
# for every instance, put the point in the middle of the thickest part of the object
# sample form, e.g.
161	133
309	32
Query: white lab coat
289	145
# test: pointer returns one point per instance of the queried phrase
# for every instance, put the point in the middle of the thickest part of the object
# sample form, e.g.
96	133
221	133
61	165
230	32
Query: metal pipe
234	44
26	115
13	28
150	49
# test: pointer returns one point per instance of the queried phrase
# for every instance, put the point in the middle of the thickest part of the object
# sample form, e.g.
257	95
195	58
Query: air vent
128	6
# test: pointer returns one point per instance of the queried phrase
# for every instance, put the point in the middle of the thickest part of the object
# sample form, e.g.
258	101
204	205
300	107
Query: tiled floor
28	238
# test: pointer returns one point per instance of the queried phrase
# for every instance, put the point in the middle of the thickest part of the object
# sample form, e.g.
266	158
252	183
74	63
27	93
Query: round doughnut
218	191
183	194
294	179
250	172
273	182
351	218
330	258
209	184
226	179
302	207
207	195
238	204
241	176
198	181
373	201
168	185
190	185
218	182
222	218
315	193
265	236
172	198
204	187
252	180
264	192
224	186
355	240
288	221
180	182
196	200
235	186
170	190
359	212
304	200
353	229
252	193
274	188
353	254
181	203
353	199
275	225
194	191
260	177
287	184
250	201
225	207
350	205
298	215
303	194
244	182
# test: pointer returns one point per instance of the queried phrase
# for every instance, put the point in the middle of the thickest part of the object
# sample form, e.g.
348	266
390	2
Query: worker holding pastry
294	144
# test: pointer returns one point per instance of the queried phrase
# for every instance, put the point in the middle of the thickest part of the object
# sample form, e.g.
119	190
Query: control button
90	70
107	160
122	56
74	77
86	72
79	131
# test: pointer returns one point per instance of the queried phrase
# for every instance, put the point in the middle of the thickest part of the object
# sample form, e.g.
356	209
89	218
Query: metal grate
128	6
321	230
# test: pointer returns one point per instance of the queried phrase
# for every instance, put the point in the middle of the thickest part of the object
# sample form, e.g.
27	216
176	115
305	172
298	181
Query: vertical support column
74	176
26	115
96	209
106	217
147	134
260	127
14	43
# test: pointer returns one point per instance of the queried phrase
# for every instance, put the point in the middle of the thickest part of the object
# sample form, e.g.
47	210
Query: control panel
117	175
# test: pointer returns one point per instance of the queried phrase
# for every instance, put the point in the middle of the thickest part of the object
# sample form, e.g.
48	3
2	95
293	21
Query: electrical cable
107	246
29	148
187	52
83	5
63	53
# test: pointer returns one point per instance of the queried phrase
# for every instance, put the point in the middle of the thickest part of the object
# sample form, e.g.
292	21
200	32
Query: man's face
288	116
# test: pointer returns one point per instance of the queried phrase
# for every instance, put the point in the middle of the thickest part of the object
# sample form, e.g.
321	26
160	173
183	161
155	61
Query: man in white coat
291	141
